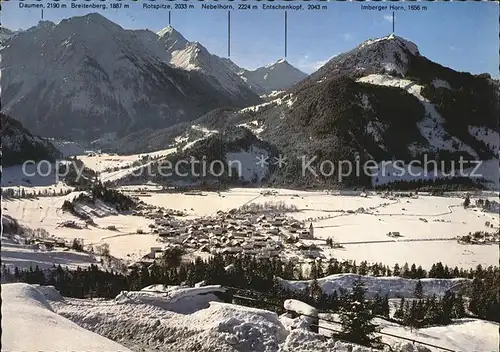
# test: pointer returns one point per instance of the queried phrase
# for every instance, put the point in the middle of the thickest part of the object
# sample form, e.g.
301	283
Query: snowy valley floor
428	225
37	318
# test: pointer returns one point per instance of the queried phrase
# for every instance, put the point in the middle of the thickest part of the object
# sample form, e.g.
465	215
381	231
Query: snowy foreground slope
143	321
30	324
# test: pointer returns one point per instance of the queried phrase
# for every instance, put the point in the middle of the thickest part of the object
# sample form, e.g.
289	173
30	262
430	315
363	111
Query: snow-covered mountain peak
171	32
193	56
392	43
278	63
172	39
90	68
197	48
93	19
389	54
45	24
273	77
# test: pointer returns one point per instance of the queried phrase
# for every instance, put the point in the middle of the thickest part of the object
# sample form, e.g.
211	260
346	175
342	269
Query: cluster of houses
153	213
52	243
480	237
491	206
264	236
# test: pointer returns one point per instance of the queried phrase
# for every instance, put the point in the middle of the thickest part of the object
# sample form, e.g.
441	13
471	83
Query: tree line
259	275
22	194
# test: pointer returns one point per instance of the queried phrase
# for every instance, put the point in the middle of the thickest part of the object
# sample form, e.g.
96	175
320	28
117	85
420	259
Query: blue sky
461	35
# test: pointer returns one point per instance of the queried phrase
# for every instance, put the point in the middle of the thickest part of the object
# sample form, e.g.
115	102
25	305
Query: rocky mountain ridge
382	101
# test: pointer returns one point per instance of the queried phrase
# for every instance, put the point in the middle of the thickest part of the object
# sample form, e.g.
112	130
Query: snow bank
247	329
220	327
30	324
180	293
300	307
463	335
178	300
158	288
226	327
409	347
305	341
391	286
49	292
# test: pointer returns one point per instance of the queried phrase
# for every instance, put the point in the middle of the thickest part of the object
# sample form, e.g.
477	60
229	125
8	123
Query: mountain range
271	78
87	76
382	100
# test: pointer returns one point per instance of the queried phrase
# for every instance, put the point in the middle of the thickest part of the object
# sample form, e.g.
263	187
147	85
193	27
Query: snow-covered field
144	321
464	335
26	256
103	163
34	177
428	225
46	213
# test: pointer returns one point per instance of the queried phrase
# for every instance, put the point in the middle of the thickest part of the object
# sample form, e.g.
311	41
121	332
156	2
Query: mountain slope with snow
235	148
352	107
192	56
390	54
278	76
19	145
5	34
354	104
87	76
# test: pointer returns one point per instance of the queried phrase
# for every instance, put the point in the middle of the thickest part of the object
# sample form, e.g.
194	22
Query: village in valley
296	226
185	249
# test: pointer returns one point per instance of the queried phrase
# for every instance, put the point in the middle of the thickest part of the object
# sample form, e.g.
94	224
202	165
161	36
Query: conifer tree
419	291
396	271
356	317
